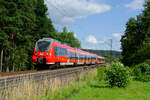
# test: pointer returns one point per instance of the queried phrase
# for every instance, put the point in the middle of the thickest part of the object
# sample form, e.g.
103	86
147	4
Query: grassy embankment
37	90
94	89
86	88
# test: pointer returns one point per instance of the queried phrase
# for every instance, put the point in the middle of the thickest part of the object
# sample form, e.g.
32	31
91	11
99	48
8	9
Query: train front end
42	51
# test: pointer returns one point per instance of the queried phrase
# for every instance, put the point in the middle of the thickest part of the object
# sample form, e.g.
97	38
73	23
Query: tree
16	23
69	38
45	27
136	41
129	42
145	49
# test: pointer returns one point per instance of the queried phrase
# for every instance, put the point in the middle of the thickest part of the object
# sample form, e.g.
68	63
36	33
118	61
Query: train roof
101	57
72	49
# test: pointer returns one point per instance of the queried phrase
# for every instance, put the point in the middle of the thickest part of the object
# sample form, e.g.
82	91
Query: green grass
101	91
96	90
92	88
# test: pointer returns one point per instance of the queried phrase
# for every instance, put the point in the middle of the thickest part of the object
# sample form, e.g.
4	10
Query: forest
136	40
22	23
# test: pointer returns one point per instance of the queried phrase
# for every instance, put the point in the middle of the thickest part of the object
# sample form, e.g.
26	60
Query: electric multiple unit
49	51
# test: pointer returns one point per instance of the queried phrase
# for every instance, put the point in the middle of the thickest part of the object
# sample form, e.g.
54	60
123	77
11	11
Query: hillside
115	54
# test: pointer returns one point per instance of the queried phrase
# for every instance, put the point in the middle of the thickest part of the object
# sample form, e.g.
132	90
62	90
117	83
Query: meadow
101	91
92	88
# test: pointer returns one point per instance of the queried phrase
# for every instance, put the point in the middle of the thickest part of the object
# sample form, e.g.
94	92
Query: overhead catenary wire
61	12
64	13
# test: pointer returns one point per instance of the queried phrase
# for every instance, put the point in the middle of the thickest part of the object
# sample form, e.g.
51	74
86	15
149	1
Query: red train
52	52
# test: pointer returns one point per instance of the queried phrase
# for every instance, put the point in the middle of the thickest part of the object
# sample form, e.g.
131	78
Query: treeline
22	23
136	41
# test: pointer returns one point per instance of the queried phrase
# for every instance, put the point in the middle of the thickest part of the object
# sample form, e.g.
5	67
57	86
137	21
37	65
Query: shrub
137	72
147	61
145	68
117	75
101	73
141	72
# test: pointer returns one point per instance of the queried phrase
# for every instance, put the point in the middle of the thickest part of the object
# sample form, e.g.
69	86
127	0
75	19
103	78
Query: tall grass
68	91
34	90
101	75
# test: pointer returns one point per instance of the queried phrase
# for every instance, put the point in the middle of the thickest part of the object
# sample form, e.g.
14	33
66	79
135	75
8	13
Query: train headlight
36	53
47	53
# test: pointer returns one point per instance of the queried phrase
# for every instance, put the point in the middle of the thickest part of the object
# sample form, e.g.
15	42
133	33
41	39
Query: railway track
18	79
16	73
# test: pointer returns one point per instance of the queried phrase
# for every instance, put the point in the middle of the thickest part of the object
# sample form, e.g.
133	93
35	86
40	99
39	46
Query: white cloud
116	36
103	42
135	4
92	39
75	35
65	12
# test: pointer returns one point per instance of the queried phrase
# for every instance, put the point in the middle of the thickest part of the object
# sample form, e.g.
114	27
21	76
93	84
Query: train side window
72	55
80	56
60	51
65	52
69	55
90	58
56	50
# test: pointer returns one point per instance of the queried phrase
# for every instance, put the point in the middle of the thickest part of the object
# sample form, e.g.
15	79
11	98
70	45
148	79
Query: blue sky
94	22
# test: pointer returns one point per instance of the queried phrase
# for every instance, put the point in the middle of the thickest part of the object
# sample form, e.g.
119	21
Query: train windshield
43	46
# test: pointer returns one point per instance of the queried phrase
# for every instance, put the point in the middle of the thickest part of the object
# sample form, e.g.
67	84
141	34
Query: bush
141	72
117	75
145	68
147	61
137	72
101	73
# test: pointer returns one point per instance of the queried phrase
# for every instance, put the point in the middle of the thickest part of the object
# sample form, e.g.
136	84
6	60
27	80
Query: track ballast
15	80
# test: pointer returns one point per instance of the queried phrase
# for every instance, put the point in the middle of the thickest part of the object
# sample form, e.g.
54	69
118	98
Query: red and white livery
49	51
